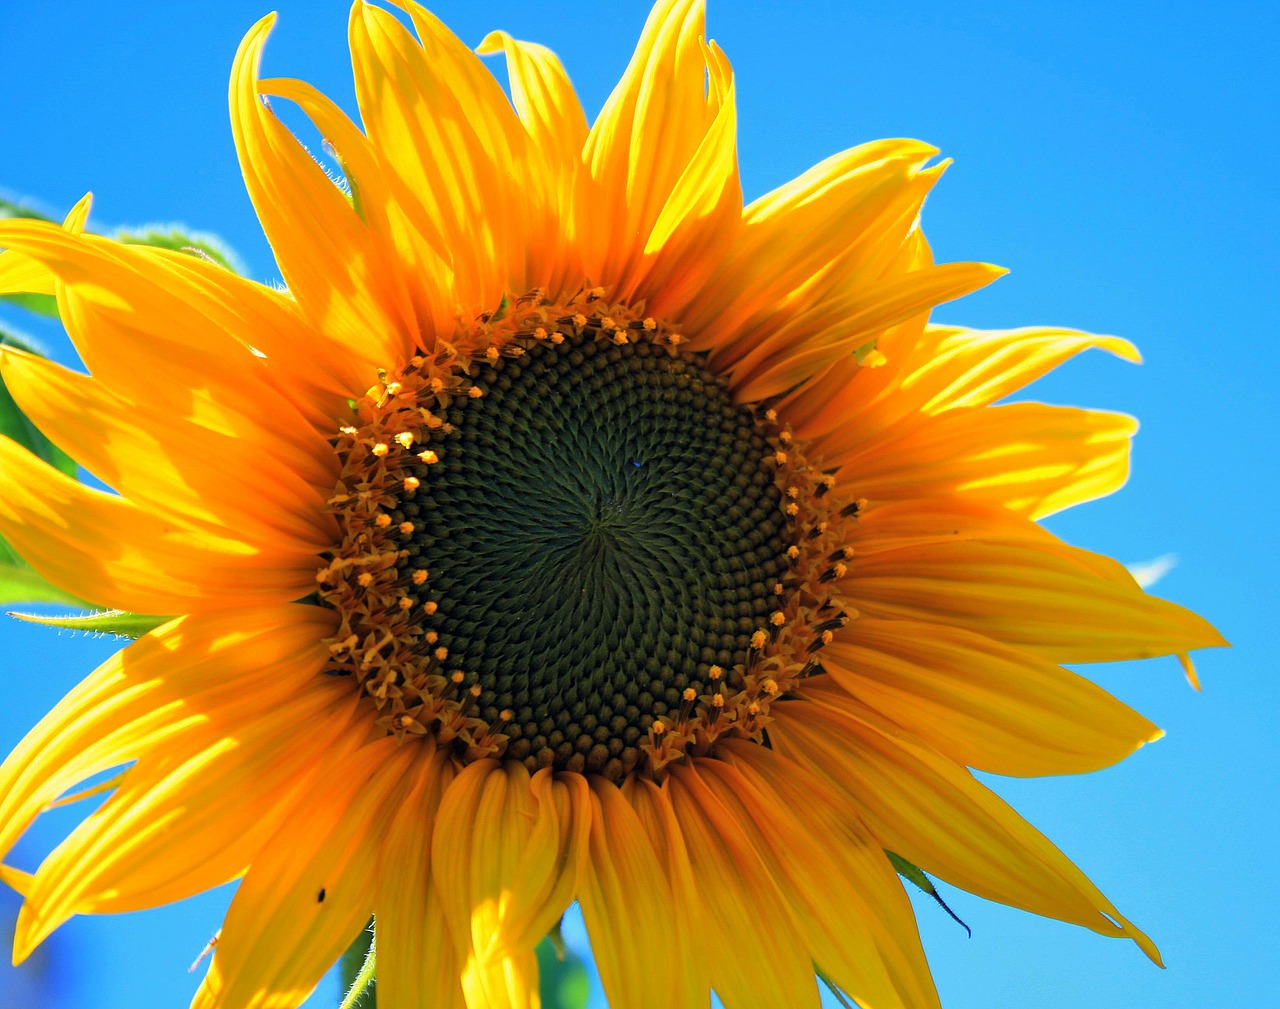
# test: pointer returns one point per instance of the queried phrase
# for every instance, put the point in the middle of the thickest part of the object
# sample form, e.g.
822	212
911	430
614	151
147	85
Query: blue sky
1118	160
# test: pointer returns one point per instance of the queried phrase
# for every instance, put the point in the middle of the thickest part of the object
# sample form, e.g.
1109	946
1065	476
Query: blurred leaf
562	983
170	236
916	875
357	972
8	208
40	304
19	583
117	622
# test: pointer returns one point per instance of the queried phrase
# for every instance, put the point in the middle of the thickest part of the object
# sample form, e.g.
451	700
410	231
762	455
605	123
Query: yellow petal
835	329
333	264
311	887
136	702
418	965
700	218
192	814
552	115
105	549
684	943
204	478
1029	457
20	274
544	99
983	704
441	123
134	314
966	368
1058	602
394	219
662	155
933	813
15	879
505	857
826	233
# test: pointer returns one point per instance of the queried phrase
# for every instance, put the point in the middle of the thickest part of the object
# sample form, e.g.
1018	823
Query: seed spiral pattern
563	543
601	529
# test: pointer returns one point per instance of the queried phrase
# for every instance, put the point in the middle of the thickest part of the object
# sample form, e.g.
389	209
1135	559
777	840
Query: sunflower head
565	531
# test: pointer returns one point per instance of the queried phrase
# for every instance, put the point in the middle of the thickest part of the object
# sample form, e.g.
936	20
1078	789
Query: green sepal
117	622
913	873
562	976
836	991
358	971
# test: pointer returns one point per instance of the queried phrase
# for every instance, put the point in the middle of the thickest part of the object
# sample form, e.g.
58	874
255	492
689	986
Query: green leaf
357	970
117	622
18	582
14	424
915	874
178	239
562	977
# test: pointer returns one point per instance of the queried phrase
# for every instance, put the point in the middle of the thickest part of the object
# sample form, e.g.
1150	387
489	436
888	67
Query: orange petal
192	814
843	893
142	696
417	962
662	155
736	894
441	123
1056	601
311	887
393	216
627	904
944	368
832	229
837	328
206	479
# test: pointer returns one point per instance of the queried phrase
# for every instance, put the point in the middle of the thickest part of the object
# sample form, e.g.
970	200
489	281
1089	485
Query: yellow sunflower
565	532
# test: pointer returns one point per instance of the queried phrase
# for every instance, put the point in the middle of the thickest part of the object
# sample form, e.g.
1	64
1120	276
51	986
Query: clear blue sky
1118	157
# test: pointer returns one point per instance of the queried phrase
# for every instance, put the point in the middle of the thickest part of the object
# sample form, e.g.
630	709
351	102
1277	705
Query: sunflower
565	531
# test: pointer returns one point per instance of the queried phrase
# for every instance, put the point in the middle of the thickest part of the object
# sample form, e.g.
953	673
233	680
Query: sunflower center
601	529
563	543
